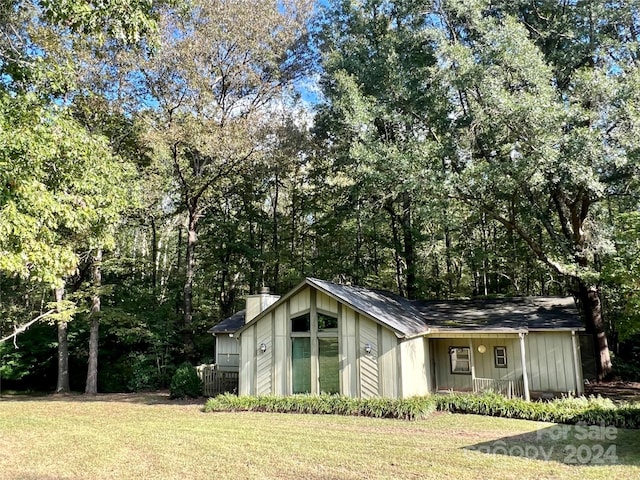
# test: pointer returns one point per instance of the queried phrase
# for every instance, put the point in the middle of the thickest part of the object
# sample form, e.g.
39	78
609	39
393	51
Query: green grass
148	437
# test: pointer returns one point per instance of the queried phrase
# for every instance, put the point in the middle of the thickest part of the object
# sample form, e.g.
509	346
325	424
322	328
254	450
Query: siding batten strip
576	363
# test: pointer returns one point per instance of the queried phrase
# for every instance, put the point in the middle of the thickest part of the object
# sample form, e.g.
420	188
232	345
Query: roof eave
478	330
558	329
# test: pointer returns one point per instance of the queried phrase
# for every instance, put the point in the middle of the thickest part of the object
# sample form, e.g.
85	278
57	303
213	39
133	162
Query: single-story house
327	337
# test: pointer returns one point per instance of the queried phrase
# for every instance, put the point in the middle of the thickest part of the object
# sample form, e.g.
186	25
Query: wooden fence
508	388
215	382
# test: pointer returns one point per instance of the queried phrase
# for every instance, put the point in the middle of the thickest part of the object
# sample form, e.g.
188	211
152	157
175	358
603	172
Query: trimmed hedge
569	410
408	409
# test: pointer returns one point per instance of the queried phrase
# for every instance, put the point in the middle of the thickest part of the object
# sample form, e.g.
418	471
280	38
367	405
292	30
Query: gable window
301	323
460	360
500	356
327	323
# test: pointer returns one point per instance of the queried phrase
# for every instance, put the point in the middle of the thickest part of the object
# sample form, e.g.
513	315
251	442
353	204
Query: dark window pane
327	322
329	365
301	364
301	323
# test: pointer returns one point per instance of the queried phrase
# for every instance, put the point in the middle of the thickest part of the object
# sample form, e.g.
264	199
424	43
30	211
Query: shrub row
570	410
409	409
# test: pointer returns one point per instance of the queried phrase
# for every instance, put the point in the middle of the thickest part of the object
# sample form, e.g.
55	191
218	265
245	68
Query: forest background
161	160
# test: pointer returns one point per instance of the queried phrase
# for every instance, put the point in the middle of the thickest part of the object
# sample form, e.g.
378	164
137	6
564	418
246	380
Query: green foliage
61	188
185	382
570	410
408	409
125	20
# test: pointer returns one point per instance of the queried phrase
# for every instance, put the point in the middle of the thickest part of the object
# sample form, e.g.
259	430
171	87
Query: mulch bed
617	391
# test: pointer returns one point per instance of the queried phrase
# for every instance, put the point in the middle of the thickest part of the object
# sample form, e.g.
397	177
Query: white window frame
460	360
500	356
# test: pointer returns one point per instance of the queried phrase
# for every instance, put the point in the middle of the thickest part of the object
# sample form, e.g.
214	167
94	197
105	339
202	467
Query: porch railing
215	382
508	388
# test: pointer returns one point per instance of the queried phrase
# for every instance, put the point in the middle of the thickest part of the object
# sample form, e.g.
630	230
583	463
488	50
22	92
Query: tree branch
24	327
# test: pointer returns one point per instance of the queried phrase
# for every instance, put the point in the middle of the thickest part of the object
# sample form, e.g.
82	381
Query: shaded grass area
116	437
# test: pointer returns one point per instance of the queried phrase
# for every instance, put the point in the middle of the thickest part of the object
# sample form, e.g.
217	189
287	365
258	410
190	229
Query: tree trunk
155	257
62	385
396	248
187	291
447	250
590	302
91	387
409	247
275	244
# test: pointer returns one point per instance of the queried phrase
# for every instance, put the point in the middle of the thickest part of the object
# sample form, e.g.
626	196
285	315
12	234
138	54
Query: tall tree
57	197
218	70
540	101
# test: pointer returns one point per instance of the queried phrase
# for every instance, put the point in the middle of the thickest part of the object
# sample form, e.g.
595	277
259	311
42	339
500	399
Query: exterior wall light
482	348
367	348
263	347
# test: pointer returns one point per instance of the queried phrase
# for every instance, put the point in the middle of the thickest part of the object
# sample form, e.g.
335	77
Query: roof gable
389	309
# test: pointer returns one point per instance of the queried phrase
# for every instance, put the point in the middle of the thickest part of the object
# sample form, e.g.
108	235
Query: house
326	337
227	347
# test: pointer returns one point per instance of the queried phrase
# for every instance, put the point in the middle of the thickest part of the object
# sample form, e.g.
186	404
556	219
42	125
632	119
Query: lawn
150	437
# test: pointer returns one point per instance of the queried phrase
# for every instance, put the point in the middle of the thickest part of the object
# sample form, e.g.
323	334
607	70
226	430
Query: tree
516	115
54	171
378	119
216	74
544	134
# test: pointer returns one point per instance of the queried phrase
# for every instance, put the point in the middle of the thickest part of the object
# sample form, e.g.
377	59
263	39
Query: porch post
576	363
525	377
472	366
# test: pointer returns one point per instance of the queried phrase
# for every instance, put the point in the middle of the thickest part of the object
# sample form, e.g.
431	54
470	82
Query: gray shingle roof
409	318
528	313
229	325
395	311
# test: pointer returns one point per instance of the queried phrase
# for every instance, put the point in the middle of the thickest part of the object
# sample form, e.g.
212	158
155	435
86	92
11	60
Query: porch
477	363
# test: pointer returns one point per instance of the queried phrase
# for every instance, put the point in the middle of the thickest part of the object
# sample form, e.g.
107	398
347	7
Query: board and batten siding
550	362
247	362
226	344
300	302
369	362
416	371
325	303
227	352
264	360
